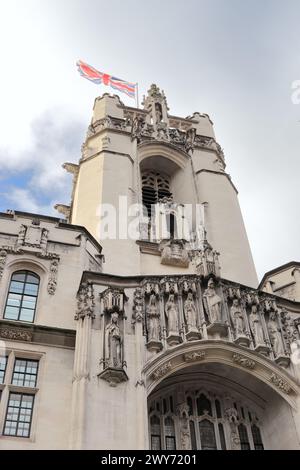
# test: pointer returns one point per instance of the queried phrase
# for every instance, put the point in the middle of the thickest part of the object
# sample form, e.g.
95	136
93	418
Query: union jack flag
97	77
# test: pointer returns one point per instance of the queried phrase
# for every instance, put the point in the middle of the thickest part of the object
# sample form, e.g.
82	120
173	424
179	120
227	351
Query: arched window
203	405
22	296
257	440
170	434
155	433
207	435
243	437
155	187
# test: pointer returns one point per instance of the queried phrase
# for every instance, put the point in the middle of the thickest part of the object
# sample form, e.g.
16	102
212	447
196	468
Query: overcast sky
232	59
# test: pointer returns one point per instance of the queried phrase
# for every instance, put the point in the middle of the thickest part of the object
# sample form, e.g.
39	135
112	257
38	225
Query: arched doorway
216	407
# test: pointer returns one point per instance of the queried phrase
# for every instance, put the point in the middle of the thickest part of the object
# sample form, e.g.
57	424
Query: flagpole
137	95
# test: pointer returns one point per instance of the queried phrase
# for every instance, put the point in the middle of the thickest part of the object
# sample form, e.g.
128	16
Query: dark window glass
18	415
155	433
218	409
243	413
22	296
222	436
170	434
171	405
193	435
25	373
257	440
203	405
243	437
3	363
207	435
190	405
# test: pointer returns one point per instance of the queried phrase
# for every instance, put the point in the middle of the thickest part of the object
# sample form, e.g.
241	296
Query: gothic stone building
164	341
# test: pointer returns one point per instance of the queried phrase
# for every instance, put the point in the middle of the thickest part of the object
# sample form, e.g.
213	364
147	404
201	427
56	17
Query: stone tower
147	156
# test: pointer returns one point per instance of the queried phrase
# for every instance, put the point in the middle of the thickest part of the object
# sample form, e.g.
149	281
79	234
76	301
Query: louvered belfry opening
155	187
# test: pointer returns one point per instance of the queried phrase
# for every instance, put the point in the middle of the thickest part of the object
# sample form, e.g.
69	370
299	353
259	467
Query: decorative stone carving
256	329
184	428
162	370
275	335
14	334
113	300
85	302
52	281
113	360
206	259
113	342
232	417
280	383
289	328
172	315
213	303
191	318
174	253
33	235
64	210
153	325
190	140
138	305
243	361
194	356
3	255
238	322
137	126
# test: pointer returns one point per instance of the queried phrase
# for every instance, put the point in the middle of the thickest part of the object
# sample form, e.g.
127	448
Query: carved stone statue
113	353
185	437
153	319
213	303
172	316
237	318
190	313
256	326
275	335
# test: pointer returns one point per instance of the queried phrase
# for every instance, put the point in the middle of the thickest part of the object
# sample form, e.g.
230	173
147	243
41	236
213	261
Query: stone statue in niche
256	326
190	313
275	335
171	310
113	342
213	303
158	113
153	319
237	318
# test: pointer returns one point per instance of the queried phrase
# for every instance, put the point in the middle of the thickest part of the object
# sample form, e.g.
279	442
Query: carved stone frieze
15	334
243	361
138	305
280	383
3	256
162	370
194	356
52	280
85	302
